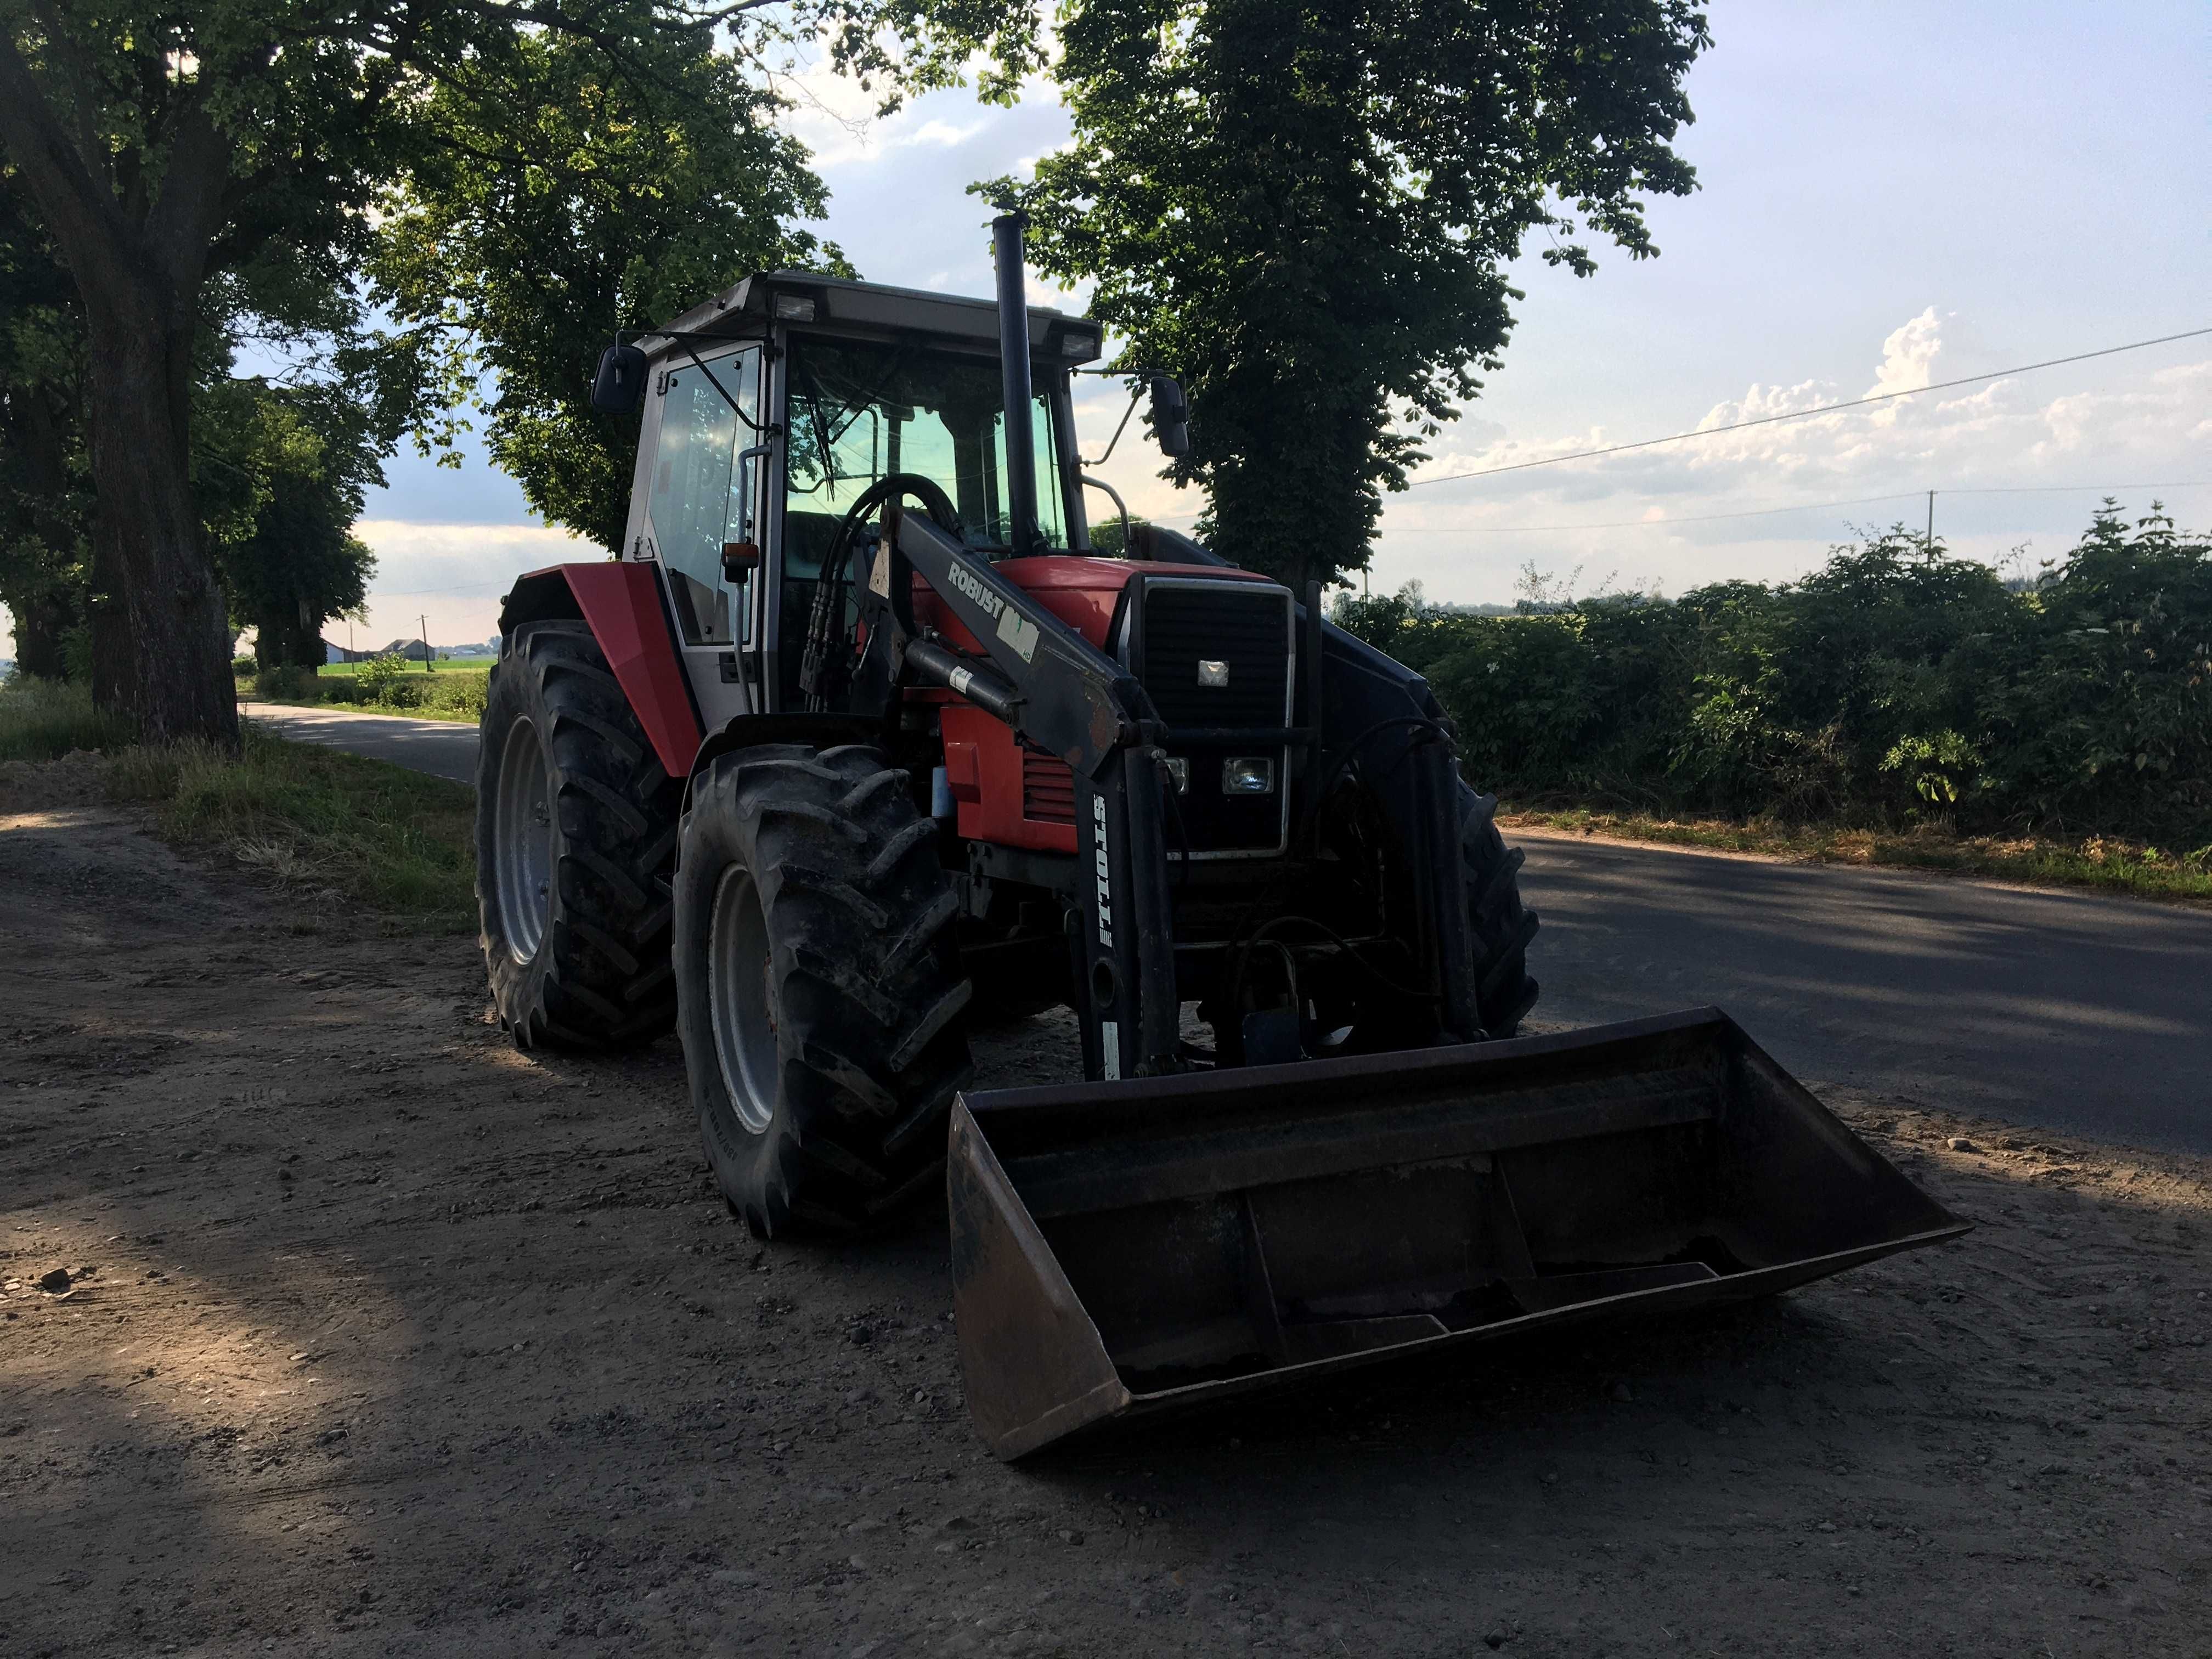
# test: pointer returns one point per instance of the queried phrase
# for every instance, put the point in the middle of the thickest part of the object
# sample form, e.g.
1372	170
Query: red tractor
862	736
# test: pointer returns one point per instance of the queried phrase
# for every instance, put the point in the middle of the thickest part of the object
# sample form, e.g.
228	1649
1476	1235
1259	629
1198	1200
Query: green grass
446	666
456	692
314	821
2098	861
40	721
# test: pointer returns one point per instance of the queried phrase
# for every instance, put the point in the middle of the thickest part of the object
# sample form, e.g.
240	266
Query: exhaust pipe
1014	377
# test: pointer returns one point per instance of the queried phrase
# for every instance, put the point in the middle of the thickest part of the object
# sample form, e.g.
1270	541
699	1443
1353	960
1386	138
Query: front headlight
1248	774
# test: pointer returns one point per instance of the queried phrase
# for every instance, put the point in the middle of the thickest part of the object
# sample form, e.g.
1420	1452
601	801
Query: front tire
1499	925
820	990
575	826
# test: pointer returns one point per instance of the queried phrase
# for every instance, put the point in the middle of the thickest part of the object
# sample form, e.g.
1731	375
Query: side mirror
1170	417
619	386
739	561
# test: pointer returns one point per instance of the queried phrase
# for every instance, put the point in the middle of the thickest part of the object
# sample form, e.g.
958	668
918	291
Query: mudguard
622	604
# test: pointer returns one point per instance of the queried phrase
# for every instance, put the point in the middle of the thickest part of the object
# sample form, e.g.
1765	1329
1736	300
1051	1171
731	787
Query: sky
1891	195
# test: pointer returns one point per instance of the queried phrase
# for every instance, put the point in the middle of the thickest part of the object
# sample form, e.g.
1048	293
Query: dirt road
2087	1013
383	1338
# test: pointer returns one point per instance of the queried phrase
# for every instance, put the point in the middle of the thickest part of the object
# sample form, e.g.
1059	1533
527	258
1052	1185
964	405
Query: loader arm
1063	694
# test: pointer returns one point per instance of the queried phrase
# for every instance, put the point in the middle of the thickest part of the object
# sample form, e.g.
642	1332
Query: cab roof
786	295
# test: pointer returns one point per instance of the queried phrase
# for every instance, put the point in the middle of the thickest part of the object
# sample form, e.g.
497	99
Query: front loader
858	740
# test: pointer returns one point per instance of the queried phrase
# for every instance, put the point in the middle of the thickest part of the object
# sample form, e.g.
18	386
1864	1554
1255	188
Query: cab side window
702	493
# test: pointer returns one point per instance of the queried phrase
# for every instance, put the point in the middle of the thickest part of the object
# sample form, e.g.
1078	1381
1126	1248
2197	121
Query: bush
285	683
461	693
378	672
1893	682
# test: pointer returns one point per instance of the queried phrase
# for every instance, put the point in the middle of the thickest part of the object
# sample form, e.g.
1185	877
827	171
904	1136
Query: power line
1633	523
1807	414
1799	506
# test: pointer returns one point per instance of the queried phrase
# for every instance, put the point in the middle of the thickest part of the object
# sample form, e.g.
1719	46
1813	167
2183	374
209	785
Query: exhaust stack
1014	375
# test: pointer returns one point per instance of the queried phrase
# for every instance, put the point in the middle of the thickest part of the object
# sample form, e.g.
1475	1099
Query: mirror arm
1101	483
1135	392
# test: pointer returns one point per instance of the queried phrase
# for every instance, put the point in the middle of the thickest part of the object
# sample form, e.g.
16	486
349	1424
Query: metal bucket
1120	1249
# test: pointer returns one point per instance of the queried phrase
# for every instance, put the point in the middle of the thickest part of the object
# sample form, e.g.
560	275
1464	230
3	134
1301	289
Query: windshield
858	411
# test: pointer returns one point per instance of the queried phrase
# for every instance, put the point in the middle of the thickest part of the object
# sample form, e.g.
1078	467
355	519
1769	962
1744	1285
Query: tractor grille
1047	788
1246	626
1243	625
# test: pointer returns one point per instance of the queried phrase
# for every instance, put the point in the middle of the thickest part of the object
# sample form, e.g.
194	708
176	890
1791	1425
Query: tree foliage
222	158
572	200
1306	211
1894	680
283	473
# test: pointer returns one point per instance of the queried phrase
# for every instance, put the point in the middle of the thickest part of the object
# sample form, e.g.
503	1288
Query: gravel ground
380	1338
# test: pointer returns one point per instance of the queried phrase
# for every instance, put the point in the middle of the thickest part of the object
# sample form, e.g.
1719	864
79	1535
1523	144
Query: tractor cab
772	408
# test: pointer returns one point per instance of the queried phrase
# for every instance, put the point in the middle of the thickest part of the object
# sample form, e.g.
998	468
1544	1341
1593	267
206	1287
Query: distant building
412	650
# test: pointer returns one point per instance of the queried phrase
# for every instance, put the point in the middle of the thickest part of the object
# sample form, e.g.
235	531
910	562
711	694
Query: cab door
702	495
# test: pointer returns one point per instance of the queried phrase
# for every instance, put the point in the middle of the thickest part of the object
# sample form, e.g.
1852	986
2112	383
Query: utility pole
1930	542
425	620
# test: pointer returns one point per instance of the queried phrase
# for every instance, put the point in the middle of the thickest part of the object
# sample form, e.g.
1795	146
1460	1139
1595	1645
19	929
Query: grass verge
41	721
321	823
459	712
456	692
2096	861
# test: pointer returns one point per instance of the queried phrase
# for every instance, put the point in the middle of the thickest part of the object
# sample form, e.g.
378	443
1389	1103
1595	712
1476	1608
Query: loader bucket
1129	1247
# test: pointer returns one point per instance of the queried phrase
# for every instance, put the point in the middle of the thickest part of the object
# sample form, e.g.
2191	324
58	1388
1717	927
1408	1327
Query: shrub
463	693
285	683
378	672
1893	680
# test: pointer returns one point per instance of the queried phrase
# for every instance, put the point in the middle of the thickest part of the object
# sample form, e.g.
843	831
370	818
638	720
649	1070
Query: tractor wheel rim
523	823
737	994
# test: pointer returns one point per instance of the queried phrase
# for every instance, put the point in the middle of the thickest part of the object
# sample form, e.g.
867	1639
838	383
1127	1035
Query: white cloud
453	574
1851	467
942	134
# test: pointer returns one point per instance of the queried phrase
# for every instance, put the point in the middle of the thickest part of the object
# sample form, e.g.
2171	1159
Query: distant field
446	666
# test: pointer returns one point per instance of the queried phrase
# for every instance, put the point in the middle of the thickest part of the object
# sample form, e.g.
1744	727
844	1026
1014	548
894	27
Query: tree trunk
287	636
160	647
164	592
43	616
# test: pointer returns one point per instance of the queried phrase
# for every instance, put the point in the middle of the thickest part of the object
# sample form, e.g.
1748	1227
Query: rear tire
818	975
576	827
1499	925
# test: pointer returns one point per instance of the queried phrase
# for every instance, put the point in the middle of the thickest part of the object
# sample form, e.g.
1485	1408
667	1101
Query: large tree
1307	210
283	472
166	150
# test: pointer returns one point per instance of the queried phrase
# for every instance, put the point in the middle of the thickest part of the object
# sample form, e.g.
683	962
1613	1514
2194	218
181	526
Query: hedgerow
1896	682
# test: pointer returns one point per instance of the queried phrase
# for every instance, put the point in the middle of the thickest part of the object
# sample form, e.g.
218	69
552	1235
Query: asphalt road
2079	1013
444	749
2082	1014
